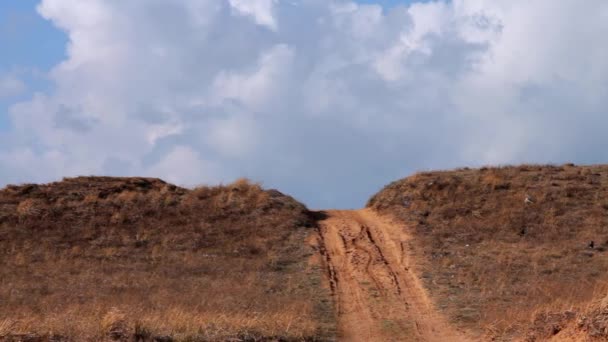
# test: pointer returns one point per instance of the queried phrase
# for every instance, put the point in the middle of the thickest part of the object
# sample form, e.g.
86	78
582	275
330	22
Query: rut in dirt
378	297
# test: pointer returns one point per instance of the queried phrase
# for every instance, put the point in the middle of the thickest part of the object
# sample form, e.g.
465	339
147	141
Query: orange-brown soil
378	296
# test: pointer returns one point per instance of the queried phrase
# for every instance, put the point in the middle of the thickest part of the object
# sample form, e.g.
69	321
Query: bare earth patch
378	296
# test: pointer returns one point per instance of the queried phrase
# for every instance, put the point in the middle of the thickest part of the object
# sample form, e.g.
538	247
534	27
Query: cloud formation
327	100
10	86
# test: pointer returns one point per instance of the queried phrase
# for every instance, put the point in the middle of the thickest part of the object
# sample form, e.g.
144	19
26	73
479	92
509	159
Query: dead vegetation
122	259
503	249
588	324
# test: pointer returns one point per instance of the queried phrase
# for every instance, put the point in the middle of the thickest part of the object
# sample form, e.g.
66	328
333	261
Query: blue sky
31	46
207	91
33	41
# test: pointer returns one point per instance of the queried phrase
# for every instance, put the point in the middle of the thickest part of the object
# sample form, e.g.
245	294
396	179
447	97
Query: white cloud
233	137
256	88
159	131
260	10
11	86
326	99
184	166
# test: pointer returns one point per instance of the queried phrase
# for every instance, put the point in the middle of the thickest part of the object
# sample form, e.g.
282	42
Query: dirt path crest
378	297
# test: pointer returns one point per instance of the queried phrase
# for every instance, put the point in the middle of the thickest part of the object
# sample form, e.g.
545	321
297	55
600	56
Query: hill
510	252
137	259
514	253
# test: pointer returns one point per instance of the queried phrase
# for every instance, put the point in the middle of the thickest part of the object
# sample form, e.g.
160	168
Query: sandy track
378	297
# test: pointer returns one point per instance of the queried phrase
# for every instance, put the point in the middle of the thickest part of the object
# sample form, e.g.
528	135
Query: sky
31	46
327	100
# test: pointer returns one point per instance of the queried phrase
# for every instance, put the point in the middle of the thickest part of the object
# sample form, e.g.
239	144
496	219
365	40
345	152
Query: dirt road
378	297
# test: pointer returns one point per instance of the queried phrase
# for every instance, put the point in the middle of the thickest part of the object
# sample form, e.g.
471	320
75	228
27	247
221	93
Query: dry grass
495	262
95	258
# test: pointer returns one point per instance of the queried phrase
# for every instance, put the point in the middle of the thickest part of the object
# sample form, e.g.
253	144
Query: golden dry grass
94	258
496	263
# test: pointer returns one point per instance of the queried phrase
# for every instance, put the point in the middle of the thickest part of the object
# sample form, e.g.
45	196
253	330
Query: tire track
377	295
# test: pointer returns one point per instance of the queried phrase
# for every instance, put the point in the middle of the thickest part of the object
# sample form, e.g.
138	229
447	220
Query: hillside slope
510	252
97	258
490	254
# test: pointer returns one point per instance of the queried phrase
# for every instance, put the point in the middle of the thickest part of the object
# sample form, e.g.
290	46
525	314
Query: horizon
327	101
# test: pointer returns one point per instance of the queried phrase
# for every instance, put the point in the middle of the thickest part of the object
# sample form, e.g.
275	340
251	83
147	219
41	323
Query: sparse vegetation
502	249
507	253
94	258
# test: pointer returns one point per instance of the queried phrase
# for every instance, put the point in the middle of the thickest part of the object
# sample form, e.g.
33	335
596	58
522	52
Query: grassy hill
511	252
506	253
137	259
